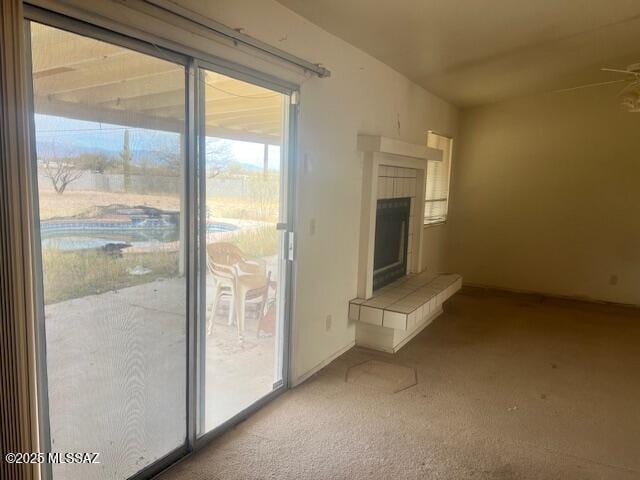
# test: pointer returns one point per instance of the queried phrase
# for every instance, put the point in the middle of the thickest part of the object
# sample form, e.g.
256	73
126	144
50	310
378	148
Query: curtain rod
237	36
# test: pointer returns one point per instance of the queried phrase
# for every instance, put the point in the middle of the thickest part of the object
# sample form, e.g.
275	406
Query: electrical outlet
328	321
613	280
312	226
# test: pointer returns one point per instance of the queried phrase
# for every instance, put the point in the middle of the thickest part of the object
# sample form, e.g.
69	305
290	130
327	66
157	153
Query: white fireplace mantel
378	152
398	148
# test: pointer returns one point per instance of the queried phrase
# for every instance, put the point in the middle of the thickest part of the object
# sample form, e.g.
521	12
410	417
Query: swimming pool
81	235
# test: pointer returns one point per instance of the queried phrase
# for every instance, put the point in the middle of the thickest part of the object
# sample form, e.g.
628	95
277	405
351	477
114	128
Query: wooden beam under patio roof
262	133
87	79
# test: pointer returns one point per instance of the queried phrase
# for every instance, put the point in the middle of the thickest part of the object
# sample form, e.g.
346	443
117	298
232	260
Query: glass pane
110	165
242	338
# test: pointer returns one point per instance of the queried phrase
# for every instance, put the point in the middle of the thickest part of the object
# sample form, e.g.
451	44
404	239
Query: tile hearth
407	302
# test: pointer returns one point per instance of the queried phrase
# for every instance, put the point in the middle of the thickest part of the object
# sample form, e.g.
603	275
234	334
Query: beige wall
545	196
361	96
434	244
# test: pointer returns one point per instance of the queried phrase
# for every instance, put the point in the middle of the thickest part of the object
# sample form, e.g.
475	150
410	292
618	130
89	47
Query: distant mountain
58	137
247	167
52	150
64	137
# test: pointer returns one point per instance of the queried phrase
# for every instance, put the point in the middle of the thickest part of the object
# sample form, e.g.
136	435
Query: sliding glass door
109	137
243	193
161	210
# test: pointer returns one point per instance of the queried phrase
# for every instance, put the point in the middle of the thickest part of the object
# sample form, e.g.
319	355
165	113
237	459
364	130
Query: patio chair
224	261
250	287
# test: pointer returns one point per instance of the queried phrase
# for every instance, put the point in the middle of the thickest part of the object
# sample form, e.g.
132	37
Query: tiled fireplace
395	299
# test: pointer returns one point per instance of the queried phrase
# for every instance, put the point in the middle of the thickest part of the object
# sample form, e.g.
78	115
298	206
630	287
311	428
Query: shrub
257	242
76	274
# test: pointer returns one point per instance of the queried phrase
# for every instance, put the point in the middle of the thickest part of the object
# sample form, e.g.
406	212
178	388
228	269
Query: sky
59	136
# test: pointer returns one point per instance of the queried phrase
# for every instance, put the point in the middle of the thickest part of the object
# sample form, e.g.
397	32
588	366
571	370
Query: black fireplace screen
392	234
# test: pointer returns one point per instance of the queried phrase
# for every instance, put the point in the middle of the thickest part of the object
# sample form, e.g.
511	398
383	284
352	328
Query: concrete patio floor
117	376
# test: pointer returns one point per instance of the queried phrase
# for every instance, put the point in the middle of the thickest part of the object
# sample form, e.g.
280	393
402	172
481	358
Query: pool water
90	236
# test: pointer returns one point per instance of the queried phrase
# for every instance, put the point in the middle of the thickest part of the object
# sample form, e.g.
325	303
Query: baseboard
554	296
305	376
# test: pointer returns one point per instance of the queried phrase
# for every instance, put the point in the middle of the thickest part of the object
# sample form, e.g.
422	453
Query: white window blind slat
438	173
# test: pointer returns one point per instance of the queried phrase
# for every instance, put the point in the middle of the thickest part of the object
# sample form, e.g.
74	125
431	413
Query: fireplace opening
391	241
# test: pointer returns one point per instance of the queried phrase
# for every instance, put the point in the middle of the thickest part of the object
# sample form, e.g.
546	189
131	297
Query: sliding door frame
194	185
285	225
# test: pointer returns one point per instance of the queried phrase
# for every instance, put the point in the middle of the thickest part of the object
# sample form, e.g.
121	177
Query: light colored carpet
509	387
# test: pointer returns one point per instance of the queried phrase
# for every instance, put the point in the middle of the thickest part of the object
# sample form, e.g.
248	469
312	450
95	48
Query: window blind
438	173
17	380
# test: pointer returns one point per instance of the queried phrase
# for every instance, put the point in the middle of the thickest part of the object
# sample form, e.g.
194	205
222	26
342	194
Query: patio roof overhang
91	80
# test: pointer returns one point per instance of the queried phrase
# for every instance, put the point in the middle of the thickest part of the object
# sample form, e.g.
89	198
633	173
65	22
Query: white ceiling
473	52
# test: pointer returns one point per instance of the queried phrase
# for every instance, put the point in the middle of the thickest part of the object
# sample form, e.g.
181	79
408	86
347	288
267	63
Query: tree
167	161
219	154
62	172
95	162
125	156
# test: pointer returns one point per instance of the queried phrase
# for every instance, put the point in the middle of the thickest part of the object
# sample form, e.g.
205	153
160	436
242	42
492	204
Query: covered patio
99	358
